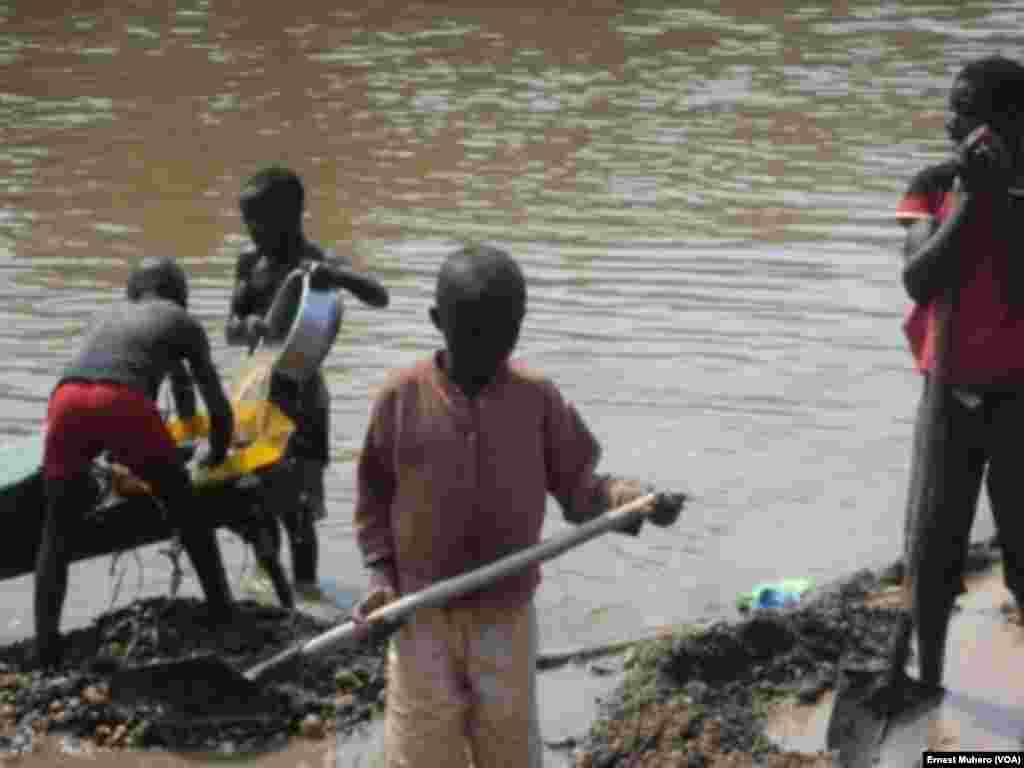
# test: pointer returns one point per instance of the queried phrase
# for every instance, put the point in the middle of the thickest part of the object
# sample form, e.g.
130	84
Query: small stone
8	712
55	707
696	689
346	680
96	694
312	727
811	691
9	680
118	736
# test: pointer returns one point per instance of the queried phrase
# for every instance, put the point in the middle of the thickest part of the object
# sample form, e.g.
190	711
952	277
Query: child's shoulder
524	374
247	260
933	178
405	377
926	192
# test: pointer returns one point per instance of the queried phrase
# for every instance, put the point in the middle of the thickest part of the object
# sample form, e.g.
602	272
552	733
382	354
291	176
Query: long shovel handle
450	589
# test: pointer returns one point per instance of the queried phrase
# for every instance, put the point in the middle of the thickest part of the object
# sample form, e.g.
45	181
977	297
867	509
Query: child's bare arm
930	253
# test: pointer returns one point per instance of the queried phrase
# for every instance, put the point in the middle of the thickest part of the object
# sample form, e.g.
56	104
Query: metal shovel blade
868	707
856	726
202	685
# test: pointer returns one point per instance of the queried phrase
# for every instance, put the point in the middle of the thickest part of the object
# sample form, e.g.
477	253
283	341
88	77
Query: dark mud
703	698
337	691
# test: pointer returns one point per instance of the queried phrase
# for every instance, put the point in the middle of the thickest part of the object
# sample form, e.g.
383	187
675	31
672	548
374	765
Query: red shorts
86	418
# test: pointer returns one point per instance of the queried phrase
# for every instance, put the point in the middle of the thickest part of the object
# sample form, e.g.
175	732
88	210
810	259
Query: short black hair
275	182
999	85
485	270
162	276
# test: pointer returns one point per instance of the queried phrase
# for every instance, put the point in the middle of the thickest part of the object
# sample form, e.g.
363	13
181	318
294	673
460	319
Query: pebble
96	694
312	727
9	680
696	689
118	736
347	680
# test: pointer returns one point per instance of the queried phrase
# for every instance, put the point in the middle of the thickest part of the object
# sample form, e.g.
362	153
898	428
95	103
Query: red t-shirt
988	342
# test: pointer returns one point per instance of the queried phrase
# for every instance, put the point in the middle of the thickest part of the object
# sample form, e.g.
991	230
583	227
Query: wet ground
96	699
733	693
759	691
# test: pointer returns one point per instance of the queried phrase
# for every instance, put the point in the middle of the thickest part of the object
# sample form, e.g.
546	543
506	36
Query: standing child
963	221
272	204
461	451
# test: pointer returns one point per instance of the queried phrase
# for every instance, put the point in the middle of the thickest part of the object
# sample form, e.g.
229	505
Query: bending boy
105	400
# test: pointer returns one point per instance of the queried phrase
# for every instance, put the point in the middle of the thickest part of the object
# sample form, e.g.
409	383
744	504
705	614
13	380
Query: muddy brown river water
700	193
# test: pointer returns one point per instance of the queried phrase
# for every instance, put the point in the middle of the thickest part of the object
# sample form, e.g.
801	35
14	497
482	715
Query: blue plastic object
774	595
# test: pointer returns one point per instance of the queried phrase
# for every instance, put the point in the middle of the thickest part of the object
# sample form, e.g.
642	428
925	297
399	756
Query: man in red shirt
965	221
460	454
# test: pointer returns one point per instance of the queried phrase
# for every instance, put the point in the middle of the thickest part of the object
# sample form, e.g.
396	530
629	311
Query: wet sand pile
339	690
701	699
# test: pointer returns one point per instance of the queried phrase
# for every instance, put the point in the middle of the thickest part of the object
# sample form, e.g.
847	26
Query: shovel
206	682
868	706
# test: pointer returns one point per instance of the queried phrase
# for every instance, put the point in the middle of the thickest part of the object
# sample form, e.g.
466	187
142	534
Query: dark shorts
983	449
308	406
86	418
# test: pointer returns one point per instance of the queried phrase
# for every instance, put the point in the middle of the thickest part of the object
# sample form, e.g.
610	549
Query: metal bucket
302	323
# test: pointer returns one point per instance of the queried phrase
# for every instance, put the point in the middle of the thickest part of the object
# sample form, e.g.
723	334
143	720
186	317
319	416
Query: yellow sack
261	436
261	430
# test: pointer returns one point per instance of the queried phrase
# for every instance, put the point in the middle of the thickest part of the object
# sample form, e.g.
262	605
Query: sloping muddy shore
701	697
337	691
706	698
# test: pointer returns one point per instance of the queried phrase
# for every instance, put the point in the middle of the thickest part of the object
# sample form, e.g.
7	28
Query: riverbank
759	691
77	702
756	691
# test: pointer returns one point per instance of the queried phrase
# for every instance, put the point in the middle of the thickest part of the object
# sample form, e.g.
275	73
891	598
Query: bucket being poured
302	324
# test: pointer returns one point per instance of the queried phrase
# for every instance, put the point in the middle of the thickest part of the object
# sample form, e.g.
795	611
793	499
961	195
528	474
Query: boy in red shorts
105	400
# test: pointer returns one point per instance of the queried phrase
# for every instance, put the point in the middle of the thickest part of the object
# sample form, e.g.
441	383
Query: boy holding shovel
459	455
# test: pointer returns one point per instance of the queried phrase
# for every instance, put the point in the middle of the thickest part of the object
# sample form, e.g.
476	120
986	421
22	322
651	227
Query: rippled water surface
701	196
